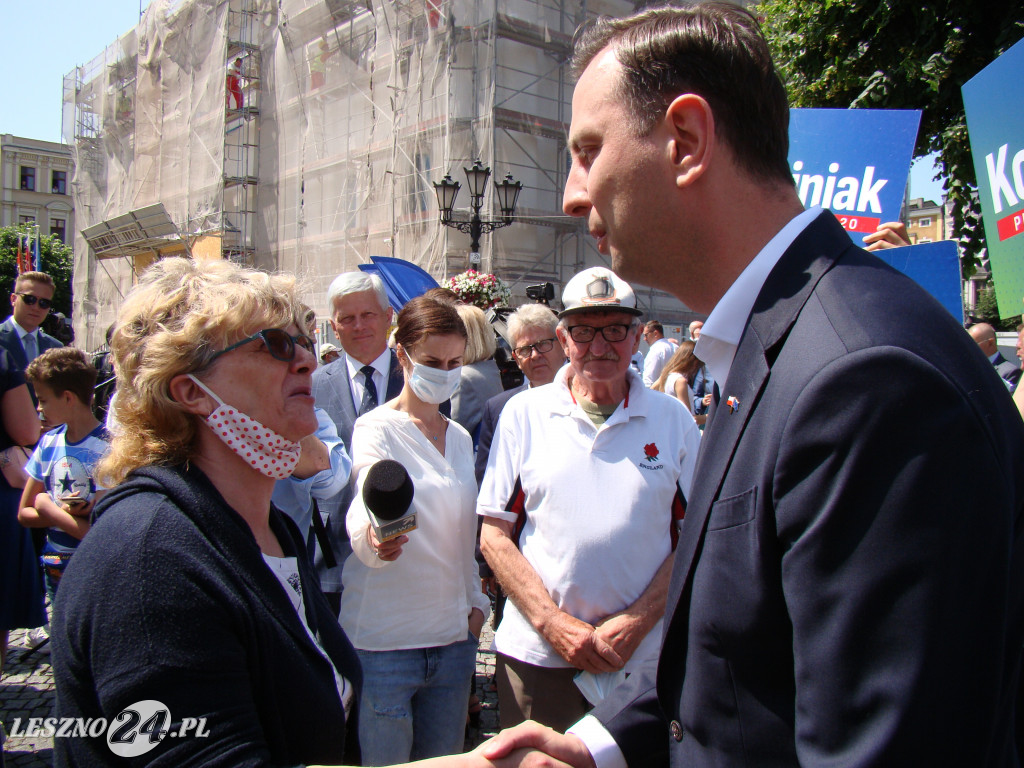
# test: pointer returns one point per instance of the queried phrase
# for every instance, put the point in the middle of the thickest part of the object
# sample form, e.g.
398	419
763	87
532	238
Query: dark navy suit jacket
10	341
845	592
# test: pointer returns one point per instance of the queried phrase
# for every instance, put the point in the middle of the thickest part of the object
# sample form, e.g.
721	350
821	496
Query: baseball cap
597	288
327	348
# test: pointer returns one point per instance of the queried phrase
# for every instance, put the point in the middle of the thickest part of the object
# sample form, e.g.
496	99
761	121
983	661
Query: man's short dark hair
712	49
653	326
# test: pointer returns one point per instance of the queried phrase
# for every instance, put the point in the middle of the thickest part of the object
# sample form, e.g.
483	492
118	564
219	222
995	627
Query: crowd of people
751	546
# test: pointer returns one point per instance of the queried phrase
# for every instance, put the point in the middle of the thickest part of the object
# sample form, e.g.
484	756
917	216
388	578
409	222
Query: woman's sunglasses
31	300
279	344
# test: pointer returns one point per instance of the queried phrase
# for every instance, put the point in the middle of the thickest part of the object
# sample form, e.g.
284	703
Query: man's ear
191	396
691	126
562	340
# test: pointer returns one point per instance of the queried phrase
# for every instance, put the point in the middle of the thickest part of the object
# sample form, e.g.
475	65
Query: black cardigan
168	598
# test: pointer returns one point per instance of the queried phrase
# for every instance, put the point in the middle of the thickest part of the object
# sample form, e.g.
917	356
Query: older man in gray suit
365	375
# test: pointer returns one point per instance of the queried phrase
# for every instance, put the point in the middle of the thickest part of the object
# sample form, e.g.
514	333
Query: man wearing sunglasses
20	333
593	471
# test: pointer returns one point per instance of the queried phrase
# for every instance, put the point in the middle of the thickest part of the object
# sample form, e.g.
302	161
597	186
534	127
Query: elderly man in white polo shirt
590	475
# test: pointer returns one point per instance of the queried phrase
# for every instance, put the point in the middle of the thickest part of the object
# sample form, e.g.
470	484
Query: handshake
531	745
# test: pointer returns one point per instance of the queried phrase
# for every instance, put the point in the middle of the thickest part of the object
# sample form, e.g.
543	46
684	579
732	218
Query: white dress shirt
381	370
22	333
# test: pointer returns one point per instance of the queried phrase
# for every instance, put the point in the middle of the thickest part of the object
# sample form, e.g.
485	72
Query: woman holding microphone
412	606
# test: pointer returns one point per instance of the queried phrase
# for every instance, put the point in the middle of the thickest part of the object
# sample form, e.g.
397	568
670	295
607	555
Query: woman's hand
389	550
476	622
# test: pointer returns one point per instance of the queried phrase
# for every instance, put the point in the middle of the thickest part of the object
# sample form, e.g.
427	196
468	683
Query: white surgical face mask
432	385
261	447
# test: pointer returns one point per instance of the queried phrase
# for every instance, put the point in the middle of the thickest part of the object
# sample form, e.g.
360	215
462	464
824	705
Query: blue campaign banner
995	125
855	162
933	266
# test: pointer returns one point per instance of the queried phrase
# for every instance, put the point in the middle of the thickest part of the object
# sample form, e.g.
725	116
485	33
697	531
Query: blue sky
45	39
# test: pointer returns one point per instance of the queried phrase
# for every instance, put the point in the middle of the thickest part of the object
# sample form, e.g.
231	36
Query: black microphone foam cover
388	490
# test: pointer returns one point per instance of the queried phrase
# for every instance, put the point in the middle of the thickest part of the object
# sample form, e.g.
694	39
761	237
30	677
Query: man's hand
623	633
551	746
891	234
579	644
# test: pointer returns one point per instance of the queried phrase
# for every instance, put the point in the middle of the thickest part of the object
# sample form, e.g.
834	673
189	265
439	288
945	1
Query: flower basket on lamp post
481	289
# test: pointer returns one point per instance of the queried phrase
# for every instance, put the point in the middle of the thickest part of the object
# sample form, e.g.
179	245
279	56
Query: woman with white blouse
412	606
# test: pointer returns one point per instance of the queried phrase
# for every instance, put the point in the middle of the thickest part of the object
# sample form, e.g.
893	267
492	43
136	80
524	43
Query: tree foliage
899	54
56	260
986	311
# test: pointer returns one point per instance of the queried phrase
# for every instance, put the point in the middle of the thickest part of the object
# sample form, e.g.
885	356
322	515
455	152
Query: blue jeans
414	702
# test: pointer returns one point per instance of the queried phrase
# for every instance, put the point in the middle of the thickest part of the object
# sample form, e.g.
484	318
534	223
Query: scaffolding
349	110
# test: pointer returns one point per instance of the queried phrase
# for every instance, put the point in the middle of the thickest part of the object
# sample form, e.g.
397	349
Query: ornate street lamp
508	194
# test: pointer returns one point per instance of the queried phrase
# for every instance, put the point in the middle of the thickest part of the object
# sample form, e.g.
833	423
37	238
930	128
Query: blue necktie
369	401
31	347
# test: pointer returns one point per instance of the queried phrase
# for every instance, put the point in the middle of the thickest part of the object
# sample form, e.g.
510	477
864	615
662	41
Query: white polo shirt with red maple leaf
599	506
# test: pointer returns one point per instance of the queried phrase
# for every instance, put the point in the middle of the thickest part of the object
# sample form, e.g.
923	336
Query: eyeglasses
582	334
31	300
527	350
278	342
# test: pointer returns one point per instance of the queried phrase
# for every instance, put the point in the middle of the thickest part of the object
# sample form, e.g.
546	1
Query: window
59	183
924	221
26	219
28	178
57	227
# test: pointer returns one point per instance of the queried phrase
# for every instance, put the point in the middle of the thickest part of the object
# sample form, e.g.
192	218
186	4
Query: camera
542	293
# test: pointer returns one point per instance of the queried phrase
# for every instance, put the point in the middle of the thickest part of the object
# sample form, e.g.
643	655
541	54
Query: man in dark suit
844	592
985	337
20	333
366	374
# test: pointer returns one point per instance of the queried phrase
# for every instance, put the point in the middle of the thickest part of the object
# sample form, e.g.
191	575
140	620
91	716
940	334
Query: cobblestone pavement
26	691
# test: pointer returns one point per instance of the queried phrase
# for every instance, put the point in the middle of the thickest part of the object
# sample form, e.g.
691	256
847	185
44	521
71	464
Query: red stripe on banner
866	224
1011	225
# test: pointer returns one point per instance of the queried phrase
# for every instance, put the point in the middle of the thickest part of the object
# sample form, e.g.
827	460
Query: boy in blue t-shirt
60	492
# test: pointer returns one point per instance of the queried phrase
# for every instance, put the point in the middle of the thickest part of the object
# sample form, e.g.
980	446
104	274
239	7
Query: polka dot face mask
261	447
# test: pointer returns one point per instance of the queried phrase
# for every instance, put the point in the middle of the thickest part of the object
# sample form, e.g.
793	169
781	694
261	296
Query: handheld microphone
387	494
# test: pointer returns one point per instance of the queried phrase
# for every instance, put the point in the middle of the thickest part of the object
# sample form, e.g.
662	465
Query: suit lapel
343	388
396	378
787	289
12	342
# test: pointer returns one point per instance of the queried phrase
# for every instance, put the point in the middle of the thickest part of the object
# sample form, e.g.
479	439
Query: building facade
36	177
926	221
305	136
